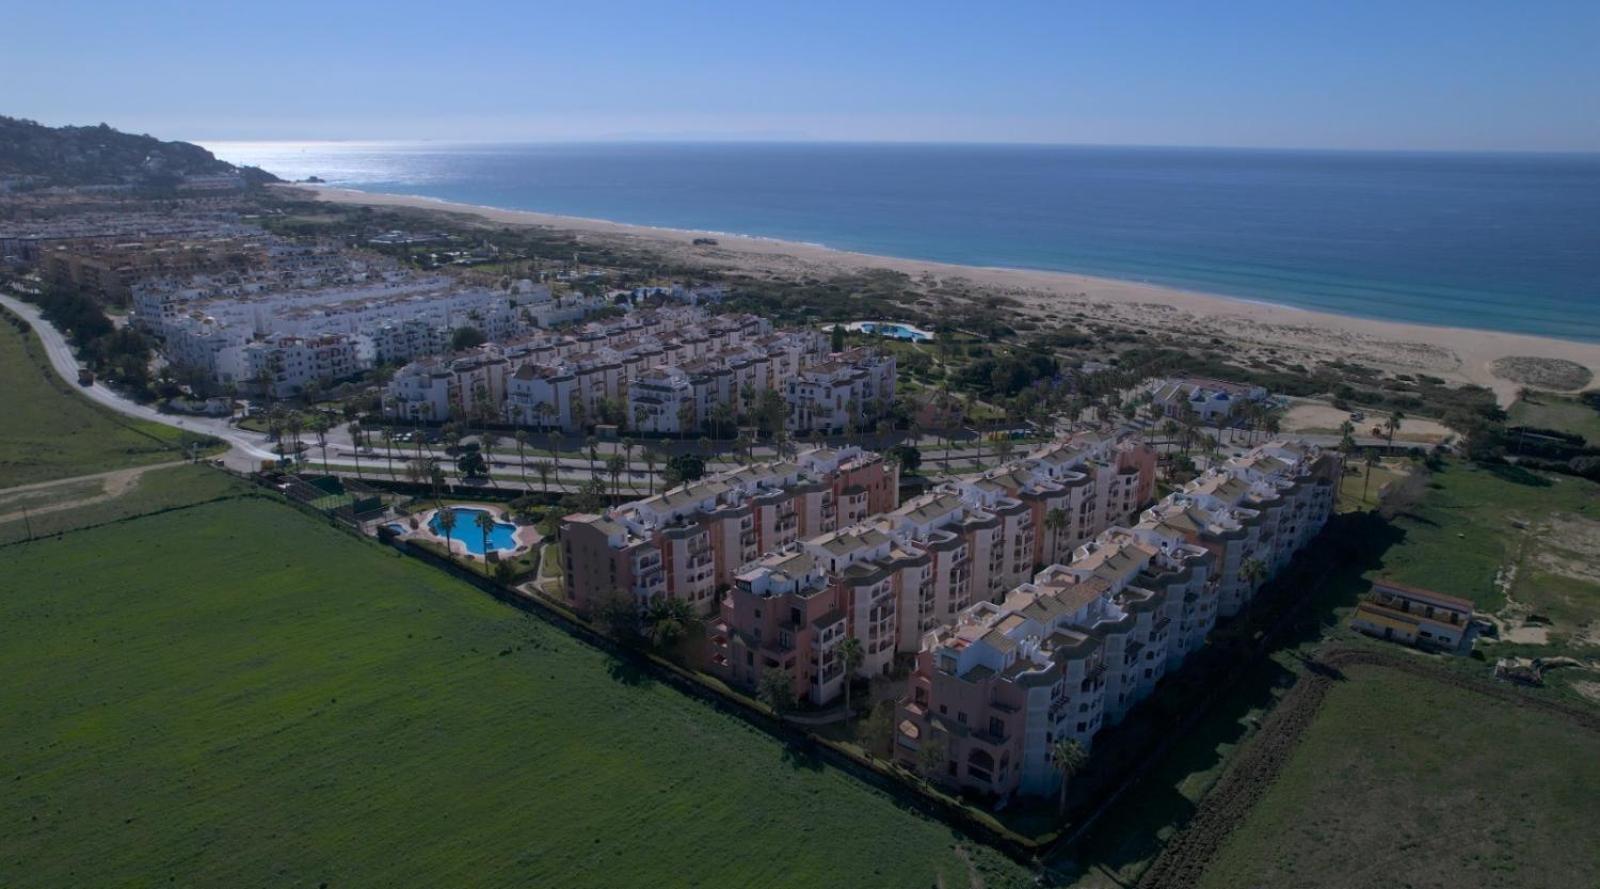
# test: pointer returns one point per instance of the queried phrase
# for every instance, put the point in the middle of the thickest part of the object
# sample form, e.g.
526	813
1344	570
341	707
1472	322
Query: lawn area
1549	411
1402	781
52	431
1357	493
1476	527
236	694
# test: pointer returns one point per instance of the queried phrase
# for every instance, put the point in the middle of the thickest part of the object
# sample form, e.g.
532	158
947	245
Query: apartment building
1088	637
286	365
846	392
702	534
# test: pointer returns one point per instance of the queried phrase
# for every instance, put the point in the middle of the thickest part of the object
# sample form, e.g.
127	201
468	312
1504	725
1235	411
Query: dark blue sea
1505	242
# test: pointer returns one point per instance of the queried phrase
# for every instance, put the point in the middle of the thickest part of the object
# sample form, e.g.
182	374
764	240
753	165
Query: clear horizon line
971	143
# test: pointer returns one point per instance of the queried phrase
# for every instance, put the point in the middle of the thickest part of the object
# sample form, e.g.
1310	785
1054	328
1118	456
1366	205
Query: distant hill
104	156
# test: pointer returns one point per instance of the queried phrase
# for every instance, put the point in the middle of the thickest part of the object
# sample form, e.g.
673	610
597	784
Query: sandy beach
1451	353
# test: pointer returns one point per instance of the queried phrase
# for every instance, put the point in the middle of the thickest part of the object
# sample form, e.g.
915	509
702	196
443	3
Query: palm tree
544	469
388	449
1068	757
616	464
851	655
487	442
1054	521
668	620
435	477
1392	425
485	523
355	438
294	423
650	460
1371	459
594	456
1252	572
447	524
320	427
522	442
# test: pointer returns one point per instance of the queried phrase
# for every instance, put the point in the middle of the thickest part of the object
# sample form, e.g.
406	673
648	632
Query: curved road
244	447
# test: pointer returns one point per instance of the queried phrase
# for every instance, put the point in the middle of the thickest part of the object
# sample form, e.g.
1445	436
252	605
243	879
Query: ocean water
1505	242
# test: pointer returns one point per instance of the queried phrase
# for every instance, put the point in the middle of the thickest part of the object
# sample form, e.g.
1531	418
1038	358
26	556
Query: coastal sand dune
1451	353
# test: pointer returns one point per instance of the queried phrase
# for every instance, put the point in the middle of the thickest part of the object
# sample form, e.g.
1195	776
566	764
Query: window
944	710
961	717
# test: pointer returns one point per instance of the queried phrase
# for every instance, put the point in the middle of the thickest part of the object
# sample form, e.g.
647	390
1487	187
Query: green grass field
51	431
1483	532
1549	411
236	694
1401	781
156	490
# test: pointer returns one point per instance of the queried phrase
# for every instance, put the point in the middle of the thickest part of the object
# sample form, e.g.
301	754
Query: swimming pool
503	536
892	330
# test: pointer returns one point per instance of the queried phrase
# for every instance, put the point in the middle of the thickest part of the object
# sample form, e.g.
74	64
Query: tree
544	469
435	477
1392	425
667	621
650	459
487	442
466	338
685	419
776	690
1252	572
447	524
836	341
294	423
355	439
471	463
932	753
618	615
909	457
851	654
388	449
616	464
485	523
320	427
1371	459
684	468
1054	521
1068	757
522	467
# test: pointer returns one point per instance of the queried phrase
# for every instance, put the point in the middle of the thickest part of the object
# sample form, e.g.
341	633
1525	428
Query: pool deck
526	536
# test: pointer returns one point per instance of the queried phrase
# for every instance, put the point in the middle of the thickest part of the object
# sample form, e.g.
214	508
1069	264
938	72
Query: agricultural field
51	431
1401	780
1549	411
235	694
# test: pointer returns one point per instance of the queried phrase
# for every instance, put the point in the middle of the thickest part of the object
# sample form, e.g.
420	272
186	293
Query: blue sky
1423	75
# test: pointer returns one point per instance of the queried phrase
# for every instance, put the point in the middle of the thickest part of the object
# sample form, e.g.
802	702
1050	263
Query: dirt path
1183	860
113	484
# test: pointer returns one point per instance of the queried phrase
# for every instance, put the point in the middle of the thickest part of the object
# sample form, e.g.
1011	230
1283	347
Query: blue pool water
466	530
1495	241
896	331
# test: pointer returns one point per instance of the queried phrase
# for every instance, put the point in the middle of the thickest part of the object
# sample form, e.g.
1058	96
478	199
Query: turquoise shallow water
1494	241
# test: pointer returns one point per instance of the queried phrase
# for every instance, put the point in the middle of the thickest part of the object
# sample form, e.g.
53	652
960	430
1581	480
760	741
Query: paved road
246	447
